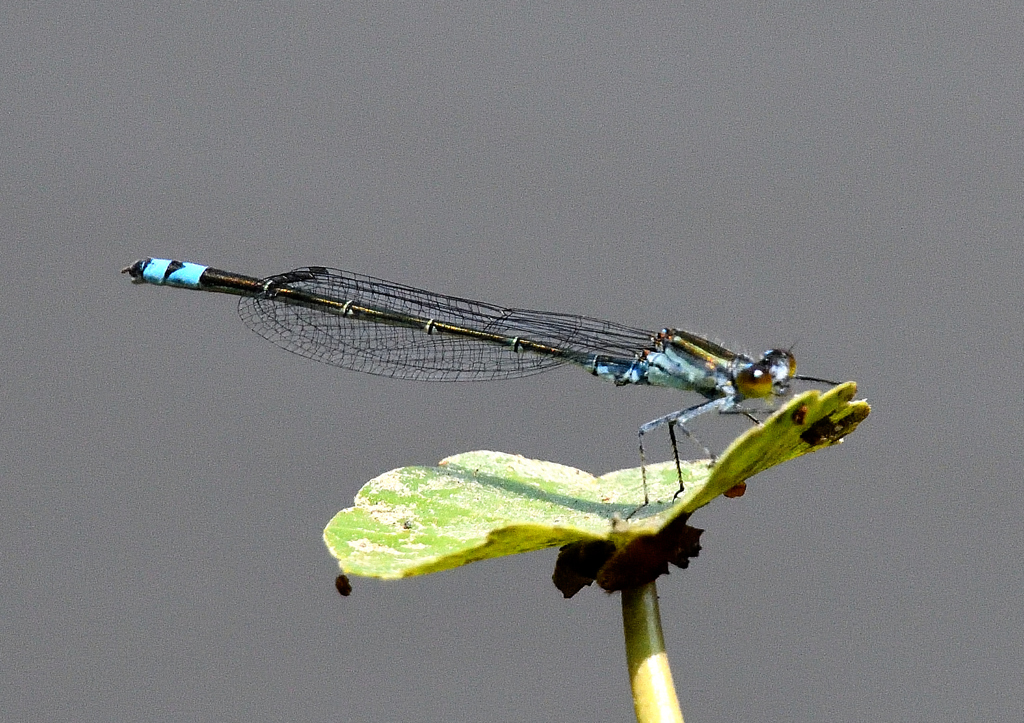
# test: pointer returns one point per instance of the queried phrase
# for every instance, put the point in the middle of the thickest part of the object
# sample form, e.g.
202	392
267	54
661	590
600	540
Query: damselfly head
768	376
781	364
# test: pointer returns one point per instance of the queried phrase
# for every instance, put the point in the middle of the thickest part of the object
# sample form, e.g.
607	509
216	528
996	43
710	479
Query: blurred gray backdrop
848	178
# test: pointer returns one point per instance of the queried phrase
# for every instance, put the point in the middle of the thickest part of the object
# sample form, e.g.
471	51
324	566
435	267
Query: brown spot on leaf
646	558
578	564
736	490
641	561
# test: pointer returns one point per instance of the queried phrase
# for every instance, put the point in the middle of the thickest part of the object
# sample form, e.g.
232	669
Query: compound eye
781	363
755	382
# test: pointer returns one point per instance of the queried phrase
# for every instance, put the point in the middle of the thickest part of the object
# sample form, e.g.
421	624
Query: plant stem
654	694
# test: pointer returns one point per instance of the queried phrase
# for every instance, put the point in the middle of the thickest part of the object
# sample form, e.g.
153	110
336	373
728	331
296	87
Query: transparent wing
318	331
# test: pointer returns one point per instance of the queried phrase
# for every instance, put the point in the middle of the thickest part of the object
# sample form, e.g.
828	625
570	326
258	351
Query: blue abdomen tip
166	272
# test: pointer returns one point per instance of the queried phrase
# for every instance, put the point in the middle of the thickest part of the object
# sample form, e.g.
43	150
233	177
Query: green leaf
480	505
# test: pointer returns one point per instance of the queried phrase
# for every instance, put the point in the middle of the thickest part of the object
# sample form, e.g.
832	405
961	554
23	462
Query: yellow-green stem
654	694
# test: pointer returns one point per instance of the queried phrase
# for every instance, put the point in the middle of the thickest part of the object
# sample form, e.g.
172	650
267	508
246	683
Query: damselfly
379	327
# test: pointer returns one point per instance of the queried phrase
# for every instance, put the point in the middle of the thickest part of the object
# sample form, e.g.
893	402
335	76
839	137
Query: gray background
846	177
